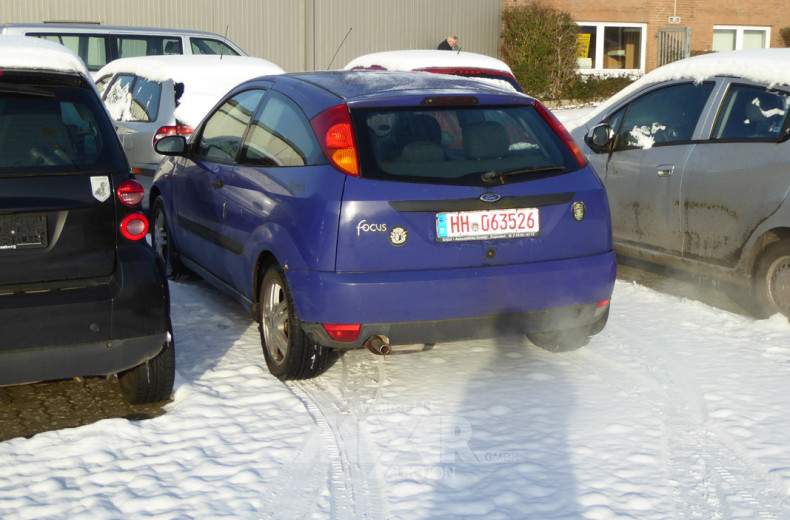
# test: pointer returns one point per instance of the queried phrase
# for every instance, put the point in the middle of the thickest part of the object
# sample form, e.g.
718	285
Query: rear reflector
130	193
134	226
342	332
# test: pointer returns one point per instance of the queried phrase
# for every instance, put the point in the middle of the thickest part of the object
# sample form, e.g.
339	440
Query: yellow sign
583	46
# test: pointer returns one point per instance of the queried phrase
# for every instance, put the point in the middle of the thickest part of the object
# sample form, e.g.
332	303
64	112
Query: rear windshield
453	145
55	129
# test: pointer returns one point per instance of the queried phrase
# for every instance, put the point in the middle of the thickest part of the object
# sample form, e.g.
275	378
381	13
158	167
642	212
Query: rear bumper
85	327
427	306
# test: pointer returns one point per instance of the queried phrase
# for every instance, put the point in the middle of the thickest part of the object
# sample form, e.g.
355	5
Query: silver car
696	162
153	96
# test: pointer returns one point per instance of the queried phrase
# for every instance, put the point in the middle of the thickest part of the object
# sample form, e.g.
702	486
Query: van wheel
151	381
771	284
289	352
162	244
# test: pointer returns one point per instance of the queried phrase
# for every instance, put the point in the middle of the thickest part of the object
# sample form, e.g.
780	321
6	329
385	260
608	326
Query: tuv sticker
101	188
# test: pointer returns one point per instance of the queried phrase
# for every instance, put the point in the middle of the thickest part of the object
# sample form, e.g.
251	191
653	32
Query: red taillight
134	226
130	193
342	332
171	130
558	127
336	135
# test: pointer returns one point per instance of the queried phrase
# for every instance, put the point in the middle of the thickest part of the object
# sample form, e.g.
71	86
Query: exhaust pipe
378	345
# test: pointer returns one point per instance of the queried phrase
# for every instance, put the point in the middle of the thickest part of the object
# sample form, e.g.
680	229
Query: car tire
771	283
289	352
569	339
151	381
161	242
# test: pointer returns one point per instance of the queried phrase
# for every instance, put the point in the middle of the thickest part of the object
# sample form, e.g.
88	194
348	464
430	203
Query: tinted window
280	136
65	130
211	46
456	145
664	116
222	133
133	99
751	113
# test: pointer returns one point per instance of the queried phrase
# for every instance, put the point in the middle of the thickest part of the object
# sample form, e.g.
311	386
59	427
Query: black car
81	291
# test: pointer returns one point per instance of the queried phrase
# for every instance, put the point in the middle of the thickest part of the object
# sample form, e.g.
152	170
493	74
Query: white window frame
597	67
739	29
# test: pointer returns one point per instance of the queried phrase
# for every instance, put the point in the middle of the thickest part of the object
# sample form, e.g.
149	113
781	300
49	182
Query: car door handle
217	183
665	170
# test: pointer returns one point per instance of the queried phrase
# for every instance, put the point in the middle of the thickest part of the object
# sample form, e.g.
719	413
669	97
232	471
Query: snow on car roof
22	52
206	78
422	59
770	66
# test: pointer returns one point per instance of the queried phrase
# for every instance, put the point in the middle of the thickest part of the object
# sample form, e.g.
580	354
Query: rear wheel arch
265	260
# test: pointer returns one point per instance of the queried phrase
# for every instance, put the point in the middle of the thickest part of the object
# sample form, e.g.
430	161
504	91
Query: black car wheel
160	239
289	352
151	381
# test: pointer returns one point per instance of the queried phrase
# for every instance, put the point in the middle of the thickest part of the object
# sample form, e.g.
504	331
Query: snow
676	410
424	59
206	79
35	53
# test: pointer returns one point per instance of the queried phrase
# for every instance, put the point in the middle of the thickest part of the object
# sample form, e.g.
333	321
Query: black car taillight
134	226
130	193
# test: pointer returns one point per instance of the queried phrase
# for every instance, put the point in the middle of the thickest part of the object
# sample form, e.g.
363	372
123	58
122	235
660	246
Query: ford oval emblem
489	197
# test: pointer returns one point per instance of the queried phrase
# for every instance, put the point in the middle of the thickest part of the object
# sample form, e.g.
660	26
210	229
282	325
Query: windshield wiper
492	175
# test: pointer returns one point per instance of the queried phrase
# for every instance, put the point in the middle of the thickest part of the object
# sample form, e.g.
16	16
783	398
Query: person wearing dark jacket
448	44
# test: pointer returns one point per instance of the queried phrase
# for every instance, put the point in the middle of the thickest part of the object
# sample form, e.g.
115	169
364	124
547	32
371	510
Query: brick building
638	36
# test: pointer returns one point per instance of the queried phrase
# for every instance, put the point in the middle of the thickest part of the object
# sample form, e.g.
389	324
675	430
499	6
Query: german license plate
23	231
489	224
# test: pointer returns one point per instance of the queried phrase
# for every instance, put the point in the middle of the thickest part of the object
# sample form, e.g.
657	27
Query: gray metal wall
296	34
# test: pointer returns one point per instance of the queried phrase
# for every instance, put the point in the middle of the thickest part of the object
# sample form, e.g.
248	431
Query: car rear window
55	129
455	145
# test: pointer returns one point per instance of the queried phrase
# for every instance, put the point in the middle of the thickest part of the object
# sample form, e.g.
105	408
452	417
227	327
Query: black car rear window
55	128
456	145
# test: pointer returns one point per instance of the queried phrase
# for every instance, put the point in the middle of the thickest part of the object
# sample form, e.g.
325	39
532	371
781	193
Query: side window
145	100
131	46
280	136
665	116
224	130
117	97
91	49
101	84
751	113
211	46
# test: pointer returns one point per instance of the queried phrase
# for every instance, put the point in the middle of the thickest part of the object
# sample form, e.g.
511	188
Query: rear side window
211	46
133	99
751	113
220	139
55	129
92	49
455	145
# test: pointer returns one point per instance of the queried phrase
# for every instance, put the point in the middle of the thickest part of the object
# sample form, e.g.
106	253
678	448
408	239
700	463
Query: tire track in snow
710	474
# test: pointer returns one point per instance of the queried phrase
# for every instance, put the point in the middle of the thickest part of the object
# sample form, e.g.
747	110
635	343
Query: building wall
295	34
700	15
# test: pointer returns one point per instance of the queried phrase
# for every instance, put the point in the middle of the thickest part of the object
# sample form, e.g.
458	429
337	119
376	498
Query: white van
99	44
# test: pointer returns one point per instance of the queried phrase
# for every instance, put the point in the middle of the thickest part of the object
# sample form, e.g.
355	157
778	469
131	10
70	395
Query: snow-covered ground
677	410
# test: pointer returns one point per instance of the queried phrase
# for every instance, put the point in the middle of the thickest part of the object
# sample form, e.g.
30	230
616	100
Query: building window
731	37
610	48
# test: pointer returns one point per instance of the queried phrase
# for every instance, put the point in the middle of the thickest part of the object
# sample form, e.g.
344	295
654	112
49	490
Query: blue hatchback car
351	209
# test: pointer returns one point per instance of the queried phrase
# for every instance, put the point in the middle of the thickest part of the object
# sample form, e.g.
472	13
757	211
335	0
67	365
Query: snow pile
38	54
426	59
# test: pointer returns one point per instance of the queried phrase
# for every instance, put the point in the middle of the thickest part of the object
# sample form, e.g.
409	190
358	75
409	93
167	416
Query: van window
92	49
132	46
211	46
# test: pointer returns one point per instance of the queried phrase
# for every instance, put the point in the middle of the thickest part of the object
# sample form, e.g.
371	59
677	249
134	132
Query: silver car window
751	113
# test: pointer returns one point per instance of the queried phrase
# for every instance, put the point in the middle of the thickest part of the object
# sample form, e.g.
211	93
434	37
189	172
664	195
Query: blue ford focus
352	209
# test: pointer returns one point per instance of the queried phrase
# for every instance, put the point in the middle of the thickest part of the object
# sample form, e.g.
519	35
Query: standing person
448	44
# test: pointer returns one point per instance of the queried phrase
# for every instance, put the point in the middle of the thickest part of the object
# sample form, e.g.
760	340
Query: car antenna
338	48
459	50
225	41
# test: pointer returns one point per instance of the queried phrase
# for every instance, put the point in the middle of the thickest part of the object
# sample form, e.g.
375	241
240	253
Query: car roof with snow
425	59
769	66
23	53
206	78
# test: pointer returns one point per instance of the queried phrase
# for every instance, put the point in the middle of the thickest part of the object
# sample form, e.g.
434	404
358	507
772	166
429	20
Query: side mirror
599	138
171	145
